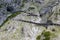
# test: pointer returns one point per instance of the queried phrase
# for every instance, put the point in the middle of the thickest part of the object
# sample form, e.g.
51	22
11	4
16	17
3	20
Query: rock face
19	19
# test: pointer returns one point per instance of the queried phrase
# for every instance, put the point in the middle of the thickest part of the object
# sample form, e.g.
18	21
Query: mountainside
30	20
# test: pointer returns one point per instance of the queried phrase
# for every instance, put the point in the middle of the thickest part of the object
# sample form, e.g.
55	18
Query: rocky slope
21	23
